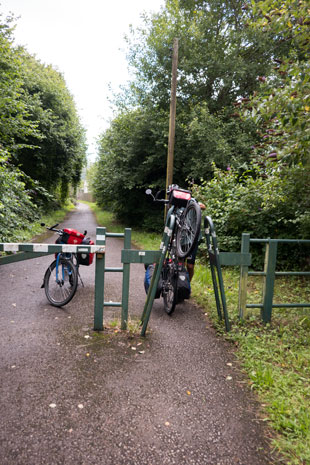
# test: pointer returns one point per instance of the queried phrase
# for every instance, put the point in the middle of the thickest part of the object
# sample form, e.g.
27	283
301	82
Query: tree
219	59
58	157
282	104
14	120
39	125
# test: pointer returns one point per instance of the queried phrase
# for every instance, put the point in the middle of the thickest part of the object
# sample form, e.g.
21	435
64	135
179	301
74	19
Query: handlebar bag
86	258
179	197
72	236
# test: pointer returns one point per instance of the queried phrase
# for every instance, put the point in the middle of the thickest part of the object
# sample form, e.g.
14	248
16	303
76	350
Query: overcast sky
82	39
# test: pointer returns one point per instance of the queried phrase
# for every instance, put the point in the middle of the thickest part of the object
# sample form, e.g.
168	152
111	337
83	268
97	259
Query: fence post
99	281
245	248
269	279
126	276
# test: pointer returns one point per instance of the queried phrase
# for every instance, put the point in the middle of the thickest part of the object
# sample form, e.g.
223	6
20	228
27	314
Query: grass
147	241
276	356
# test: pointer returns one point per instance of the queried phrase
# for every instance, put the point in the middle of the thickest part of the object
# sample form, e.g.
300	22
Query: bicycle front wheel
169	289
60	282
188	230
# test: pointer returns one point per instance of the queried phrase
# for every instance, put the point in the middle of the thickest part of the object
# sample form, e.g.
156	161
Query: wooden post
173	102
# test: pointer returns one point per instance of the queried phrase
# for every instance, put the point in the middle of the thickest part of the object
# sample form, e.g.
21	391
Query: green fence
269	275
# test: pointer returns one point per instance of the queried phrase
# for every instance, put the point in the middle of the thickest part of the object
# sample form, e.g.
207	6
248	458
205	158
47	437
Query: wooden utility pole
173	102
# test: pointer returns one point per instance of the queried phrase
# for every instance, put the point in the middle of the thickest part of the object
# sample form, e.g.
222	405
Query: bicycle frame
68	256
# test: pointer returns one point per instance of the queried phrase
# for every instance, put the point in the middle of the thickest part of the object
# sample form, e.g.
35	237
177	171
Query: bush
17	210
276	205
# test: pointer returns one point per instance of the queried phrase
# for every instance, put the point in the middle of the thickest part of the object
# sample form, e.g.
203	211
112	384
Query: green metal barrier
216	259
128	256
269	274
22	251
101	269
170	221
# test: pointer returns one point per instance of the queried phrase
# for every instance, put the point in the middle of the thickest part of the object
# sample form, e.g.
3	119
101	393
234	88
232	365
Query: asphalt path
72	396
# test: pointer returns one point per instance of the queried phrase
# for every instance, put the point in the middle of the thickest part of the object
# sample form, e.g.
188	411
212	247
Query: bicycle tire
60	293
169	289
189	229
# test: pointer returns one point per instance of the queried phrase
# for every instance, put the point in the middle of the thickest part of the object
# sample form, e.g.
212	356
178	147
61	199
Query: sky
84	40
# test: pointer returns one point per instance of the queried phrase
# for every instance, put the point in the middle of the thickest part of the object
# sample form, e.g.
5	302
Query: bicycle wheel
60	289
169	289
188	230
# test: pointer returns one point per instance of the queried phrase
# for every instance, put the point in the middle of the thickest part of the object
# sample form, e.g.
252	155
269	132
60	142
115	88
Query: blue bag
148	278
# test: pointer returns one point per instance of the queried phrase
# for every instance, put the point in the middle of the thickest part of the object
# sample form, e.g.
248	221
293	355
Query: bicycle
61	277
183	223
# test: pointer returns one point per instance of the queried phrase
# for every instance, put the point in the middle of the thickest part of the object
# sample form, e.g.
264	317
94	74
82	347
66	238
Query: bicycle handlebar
59	231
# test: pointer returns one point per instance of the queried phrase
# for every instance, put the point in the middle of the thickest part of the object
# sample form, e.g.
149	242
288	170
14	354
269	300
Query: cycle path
71	396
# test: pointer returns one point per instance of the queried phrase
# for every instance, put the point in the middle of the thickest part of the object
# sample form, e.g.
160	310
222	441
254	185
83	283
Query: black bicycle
61	277
183	225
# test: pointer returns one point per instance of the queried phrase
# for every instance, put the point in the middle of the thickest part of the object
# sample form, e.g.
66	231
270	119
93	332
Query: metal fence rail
269	275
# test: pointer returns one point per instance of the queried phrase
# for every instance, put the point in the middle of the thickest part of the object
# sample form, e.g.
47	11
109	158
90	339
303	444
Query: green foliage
219	59
141	238
132	157
17	210
276	205
39	126
282	104
40	134
57	159
13	108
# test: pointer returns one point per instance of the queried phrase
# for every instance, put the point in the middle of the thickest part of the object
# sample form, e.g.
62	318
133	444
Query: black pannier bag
184	285
148	278
86	258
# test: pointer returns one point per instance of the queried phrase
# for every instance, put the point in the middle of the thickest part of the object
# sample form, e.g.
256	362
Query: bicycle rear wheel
60	289
169	289
189	229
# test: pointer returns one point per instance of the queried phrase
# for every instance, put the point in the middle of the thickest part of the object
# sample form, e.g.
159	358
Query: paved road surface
71	397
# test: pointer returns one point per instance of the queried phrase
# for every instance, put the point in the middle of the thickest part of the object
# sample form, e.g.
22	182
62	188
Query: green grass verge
147	241
276	357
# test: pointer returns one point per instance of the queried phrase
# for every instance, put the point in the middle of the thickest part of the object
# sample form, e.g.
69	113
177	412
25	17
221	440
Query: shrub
275	205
